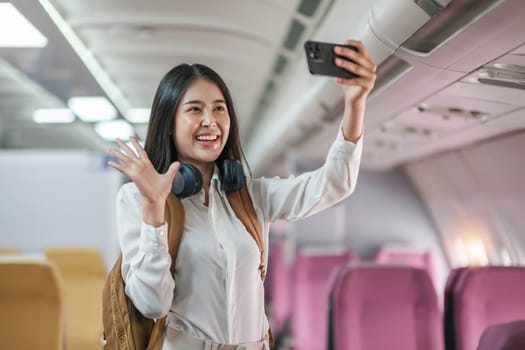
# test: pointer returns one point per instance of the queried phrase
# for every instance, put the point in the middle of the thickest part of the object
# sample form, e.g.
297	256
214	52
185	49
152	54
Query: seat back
313	277
378	307
485	296
279	286
31	315
448	307
504	336
423	259
7	250
83	273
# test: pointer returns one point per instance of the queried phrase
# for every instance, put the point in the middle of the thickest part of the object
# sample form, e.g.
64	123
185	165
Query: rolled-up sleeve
298	197
145	256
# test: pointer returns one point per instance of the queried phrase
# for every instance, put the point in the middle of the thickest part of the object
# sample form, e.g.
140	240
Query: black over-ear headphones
232	175
188	180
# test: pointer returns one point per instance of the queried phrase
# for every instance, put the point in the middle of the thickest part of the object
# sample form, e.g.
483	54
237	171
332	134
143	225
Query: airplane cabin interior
428	252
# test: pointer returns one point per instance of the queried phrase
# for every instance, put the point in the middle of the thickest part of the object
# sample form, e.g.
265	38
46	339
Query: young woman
214	300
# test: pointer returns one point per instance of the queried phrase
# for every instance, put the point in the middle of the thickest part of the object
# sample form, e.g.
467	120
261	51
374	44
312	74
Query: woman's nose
208	119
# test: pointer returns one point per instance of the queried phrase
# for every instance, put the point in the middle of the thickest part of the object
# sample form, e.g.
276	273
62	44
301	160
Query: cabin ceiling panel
239	39
410	89
468	89
520	50
261	20
164	42
381	158
136	42
19	96
442	114
140	48
464	111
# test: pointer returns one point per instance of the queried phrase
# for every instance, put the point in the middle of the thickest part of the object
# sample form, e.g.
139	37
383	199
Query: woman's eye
194	109
220	108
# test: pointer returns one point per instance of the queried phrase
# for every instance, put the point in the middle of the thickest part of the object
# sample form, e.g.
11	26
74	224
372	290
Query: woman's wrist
353	122
153	213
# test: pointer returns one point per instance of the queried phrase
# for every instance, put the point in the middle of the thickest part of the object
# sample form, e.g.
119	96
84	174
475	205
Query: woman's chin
209	158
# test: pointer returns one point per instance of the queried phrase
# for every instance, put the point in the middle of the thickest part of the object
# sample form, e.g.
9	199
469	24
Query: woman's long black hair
159	144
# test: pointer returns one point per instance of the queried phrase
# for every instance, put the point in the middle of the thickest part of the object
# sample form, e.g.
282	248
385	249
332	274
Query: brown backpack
125	328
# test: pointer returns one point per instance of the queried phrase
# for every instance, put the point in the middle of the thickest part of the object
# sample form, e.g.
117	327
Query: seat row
331	301
51	301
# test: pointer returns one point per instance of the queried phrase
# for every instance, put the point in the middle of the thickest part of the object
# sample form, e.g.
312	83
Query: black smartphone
321	59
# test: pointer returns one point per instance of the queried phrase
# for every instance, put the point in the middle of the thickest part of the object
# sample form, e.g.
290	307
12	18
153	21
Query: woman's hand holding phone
359	63
355	72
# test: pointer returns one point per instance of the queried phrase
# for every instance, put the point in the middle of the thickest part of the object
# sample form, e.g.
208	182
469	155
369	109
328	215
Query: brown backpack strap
242	205
174	215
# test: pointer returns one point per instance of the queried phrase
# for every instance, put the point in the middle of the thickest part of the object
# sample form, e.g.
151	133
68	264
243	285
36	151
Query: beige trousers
178	340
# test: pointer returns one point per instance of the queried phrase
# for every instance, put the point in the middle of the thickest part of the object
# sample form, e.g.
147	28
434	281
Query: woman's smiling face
202	123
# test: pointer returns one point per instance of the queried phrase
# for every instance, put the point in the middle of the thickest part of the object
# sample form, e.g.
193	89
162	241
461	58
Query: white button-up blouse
216	292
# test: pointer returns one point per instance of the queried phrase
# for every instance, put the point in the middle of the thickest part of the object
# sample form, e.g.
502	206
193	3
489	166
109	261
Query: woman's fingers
359	63
356	57
116	166
142	153
120	156
360	47
129	152
354	68
131	162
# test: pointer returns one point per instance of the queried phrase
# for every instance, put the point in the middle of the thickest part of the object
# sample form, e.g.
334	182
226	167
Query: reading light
92	109
16	30
111	130
53	115
138	115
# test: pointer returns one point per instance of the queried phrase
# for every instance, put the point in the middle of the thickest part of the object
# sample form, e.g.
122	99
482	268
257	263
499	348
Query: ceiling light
101	76
53	115
138	115
92	109
16	30
111	130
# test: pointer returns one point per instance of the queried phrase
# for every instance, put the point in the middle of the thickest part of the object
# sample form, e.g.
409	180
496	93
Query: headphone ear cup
187	182
232	175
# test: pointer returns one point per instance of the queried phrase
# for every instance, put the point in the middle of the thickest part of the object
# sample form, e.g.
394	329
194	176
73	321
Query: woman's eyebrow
202	103
194	102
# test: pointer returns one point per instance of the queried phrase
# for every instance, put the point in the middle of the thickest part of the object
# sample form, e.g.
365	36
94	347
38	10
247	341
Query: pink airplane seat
485	296
415	257
378	307
504	336
313	277
448	309
278	287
